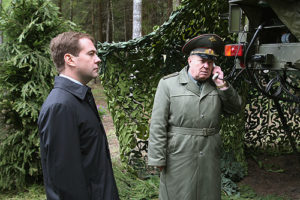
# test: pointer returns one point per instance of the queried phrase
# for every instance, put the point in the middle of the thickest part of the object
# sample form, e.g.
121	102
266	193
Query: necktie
200	85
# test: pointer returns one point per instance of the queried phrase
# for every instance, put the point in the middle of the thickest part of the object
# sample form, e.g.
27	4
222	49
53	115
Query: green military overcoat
184	136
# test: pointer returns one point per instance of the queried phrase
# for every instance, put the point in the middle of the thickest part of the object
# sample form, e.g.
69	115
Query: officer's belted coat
184	136
74	150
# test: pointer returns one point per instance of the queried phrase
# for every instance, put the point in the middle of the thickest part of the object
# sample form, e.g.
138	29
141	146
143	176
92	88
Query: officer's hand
218	81
217	69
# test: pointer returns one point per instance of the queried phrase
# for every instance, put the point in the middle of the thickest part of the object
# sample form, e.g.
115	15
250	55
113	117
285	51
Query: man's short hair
67	42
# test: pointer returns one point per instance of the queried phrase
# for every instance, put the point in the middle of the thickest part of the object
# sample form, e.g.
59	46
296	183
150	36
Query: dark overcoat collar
184	79
77	90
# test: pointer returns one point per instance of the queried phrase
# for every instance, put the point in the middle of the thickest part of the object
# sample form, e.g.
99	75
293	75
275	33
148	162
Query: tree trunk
100	38
125	23
71	10
108	22
176	3
93	18
60	7
170	7
112	21
137	19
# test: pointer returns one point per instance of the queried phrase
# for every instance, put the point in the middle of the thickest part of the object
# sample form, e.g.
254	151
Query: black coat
74	150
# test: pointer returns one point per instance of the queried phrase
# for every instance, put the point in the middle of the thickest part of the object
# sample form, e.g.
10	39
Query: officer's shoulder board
171	75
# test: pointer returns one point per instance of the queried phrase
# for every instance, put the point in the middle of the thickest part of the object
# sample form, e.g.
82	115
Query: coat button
202	116
201	153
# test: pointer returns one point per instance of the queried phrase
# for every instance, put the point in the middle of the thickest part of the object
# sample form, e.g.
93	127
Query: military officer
184	137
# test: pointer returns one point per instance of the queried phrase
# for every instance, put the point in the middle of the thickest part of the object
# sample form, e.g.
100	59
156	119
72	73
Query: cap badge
209	51
212	39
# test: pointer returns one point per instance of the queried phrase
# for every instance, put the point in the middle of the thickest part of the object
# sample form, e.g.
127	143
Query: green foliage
232	171
131	187
35	192
247	193
131	71
5	3
233	133
26	77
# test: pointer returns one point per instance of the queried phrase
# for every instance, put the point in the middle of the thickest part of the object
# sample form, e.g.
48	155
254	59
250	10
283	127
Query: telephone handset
215	76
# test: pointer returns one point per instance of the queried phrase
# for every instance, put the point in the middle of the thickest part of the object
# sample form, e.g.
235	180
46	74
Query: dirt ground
107	121
275	175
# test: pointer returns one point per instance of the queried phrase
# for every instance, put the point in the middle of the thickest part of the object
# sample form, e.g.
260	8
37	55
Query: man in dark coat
74	149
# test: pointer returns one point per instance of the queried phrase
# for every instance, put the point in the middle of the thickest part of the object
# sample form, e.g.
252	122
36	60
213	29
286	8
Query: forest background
113	21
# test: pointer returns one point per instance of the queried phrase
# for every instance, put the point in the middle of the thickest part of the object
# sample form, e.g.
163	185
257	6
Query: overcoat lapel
206	89
193	88
91	101
188	83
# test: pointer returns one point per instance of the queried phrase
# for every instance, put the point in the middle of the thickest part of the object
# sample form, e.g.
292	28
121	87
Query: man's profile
74	149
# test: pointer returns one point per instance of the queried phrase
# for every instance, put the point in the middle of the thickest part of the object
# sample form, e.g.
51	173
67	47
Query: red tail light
234	50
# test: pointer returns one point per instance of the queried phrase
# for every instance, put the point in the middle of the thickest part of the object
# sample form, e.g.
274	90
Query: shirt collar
185	76
191	77
68	77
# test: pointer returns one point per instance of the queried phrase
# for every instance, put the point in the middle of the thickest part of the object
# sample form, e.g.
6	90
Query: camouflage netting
131	71
264	127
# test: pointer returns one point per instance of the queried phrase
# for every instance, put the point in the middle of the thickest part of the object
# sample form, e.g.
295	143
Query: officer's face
200	68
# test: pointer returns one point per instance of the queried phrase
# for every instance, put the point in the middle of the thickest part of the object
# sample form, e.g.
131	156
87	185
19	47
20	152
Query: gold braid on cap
206	51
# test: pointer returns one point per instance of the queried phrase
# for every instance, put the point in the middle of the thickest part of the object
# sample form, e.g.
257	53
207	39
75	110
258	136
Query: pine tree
26	76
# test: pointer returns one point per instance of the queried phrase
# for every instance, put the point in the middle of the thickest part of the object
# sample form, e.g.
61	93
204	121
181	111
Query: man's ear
69	59
189	59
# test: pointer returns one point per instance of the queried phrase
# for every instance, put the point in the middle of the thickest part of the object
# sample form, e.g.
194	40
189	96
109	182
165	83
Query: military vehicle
268	47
